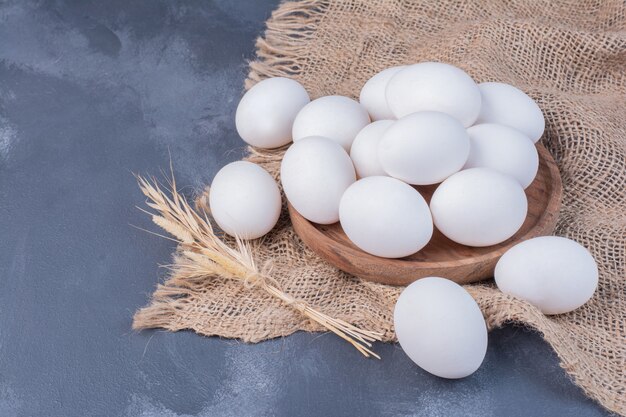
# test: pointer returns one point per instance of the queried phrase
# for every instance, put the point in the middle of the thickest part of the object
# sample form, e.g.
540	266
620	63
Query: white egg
556	274
364	151
433	86
479	207
335	117
315	172
385	217
506	105
373	94
504	149
244	200
266	112
424	148
441	328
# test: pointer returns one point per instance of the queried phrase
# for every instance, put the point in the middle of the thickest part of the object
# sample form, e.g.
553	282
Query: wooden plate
441	257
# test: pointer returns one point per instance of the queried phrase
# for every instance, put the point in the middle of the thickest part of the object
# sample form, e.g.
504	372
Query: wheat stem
204	254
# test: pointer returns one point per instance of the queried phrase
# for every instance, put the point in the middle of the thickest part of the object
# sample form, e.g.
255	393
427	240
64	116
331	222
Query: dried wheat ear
202	254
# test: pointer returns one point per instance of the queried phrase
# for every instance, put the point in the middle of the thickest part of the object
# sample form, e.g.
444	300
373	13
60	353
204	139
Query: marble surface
92	91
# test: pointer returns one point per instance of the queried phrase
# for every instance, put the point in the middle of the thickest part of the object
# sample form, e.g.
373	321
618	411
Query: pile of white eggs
422	124
357	162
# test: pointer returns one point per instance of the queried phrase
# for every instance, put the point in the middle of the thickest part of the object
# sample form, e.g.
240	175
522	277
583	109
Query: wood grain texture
441	257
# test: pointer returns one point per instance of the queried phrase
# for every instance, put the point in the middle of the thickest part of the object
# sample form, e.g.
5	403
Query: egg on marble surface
265	114
479	207
434	86
373	94
335	117
440	327
315	172
556	274
504	149
507	105
364	150
424	148
244	200
385	217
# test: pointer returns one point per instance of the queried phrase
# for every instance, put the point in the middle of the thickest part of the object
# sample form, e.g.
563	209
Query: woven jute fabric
569	55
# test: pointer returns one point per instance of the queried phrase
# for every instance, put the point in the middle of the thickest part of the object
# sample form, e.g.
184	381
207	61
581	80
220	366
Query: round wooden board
441	257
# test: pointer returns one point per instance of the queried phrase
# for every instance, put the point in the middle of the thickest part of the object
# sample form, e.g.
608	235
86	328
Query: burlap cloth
568	55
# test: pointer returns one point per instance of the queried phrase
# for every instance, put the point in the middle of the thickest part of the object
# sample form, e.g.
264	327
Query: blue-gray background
91	91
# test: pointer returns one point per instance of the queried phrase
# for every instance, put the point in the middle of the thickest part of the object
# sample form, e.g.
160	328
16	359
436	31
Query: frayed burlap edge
280	52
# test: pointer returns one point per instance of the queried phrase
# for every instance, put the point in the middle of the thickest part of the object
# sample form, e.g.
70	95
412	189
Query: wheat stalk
204	254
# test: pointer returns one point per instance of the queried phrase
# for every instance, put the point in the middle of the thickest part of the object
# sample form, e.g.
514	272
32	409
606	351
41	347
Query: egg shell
504	149
373	94
364	150
556	274
265	114
244	200
335	117
440	327
315	172
507	105
434	86
385	217
479	207
424	148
